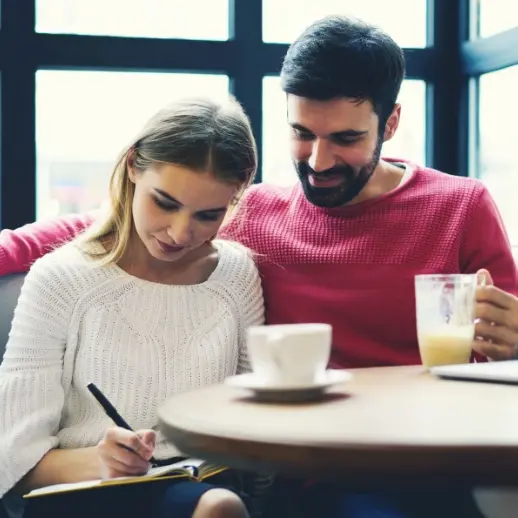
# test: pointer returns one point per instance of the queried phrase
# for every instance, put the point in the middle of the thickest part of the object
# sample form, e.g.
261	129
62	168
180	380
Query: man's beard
353	181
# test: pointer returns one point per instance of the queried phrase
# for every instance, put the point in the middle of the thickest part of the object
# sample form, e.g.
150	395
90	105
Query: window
409	141
494	16
195	19
284	20
277	167
497	164
84	119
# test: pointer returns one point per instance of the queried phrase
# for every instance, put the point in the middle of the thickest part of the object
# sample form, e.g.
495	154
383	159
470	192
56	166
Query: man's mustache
305	168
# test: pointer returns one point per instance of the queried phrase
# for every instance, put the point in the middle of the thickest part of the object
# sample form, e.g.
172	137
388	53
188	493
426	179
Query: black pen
114	415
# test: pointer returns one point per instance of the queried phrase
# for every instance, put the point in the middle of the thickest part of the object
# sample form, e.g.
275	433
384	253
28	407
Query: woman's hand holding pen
125	453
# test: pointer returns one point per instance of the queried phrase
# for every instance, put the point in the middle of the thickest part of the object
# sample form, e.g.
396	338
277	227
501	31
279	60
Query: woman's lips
169	248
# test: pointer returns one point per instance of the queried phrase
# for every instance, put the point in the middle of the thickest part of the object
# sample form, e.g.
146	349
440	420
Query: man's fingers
495	333
495	296
490	313
484	278
494	351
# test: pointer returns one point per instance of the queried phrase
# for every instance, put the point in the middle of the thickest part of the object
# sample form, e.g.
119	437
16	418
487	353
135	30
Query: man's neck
385	178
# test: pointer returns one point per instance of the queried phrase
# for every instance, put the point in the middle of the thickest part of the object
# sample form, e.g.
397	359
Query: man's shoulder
436	190
261	213
448	184
261	209
264	196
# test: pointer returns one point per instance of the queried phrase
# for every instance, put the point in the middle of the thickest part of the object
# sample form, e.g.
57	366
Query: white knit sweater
139	341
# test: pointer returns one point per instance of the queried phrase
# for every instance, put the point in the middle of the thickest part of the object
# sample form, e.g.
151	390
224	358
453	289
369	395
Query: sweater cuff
3	261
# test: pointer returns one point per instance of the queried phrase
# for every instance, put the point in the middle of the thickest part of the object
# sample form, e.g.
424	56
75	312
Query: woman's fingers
125	453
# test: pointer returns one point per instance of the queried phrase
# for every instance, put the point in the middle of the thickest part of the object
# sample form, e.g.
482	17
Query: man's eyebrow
172	199
348	133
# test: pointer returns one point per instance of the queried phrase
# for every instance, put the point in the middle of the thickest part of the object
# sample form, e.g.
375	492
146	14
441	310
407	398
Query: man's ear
392	123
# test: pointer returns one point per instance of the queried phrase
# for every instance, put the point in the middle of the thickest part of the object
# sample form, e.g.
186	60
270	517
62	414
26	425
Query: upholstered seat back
10	287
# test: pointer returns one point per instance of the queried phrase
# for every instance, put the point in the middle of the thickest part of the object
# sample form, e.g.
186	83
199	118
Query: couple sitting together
153	296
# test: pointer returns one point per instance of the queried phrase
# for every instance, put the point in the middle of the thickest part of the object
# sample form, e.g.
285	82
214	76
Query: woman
145	304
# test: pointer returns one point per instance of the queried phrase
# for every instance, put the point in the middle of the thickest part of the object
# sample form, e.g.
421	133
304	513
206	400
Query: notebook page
152	473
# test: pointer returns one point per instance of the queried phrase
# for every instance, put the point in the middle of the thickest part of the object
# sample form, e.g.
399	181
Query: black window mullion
245	58
247	84
17	105
446	90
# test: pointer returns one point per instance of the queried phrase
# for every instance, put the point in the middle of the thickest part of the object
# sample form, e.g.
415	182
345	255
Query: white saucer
283	392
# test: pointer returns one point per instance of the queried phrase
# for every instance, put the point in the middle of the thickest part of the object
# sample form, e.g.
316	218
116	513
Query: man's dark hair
345	57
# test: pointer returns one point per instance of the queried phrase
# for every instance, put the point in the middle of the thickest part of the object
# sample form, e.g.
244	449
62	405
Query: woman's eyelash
208	217
202	216
163	204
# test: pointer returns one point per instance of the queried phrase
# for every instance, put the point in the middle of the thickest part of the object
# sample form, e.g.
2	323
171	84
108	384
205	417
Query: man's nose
321	158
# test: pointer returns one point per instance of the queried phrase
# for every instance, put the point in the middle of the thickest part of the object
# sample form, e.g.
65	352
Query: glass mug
445	315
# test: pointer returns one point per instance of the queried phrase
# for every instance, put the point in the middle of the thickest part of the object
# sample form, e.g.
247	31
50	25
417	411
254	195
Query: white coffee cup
289	354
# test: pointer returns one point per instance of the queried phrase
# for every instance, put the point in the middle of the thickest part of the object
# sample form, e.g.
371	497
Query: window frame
446	66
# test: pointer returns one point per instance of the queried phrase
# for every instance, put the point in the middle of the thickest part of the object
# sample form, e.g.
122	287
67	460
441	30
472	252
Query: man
344	244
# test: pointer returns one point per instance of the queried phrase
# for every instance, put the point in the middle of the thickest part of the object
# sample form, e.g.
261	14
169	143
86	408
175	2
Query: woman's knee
220	503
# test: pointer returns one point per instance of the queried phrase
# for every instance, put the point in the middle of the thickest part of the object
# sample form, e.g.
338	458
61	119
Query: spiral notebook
191	469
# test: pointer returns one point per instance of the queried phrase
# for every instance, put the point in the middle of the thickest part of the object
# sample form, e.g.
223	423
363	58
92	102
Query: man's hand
496	330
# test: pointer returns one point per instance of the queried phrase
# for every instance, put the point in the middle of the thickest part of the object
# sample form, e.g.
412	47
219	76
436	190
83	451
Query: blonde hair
201	134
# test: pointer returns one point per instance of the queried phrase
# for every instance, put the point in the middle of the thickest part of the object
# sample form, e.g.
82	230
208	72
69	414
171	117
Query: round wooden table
388	425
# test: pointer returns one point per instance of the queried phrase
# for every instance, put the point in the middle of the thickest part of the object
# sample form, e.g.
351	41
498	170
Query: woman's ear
130	164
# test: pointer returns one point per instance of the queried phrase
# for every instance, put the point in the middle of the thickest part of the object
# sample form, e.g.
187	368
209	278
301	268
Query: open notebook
192	469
